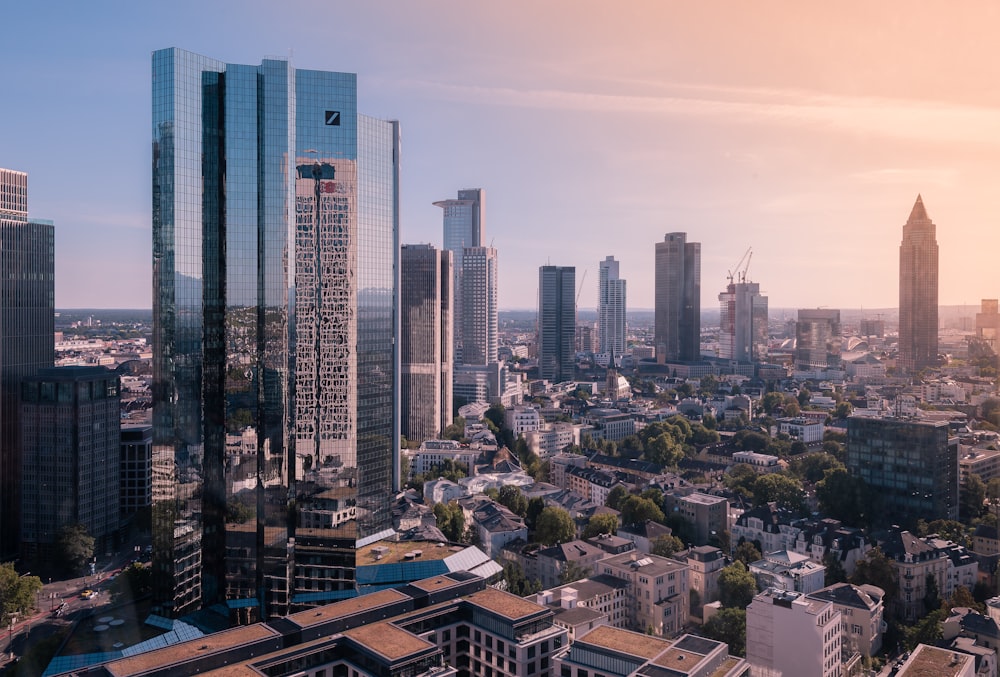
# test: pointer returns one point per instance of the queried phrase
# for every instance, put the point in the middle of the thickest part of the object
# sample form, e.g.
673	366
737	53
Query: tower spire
918	213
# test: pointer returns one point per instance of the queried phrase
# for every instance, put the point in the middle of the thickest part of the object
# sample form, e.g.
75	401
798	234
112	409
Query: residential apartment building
522	420
862	615
658	598
802	429
575	557
552	438
609	424
708	515
592	484
791	634
582	605
705	564
786	570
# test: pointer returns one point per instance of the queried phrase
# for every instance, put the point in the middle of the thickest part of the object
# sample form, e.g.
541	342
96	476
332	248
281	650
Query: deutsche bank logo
332	118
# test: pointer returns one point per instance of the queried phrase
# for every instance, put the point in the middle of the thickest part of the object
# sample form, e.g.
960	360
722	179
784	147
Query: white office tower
611	309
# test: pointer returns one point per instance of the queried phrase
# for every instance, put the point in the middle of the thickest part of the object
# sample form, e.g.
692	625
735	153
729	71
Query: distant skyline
805	132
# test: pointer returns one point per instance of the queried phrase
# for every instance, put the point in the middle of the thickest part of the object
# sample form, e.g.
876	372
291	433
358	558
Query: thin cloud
929	121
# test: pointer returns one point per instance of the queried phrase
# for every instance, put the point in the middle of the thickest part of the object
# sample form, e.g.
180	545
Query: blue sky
803	131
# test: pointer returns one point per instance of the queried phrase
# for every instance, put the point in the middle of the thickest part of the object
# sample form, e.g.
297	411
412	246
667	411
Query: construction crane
741	275
579	290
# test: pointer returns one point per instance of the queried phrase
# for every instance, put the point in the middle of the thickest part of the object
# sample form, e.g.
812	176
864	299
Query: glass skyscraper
556	323
275	264
27	332
677	302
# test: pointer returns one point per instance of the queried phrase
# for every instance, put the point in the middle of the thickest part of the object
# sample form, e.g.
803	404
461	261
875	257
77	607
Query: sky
804	131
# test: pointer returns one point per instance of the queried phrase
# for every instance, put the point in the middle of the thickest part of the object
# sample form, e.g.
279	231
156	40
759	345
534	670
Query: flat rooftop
504	604
394	552
347	607
626	642
388	641
178	653
929	661
436	583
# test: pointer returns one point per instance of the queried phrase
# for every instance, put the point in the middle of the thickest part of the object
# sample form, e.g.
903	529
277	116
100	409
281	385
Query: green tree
741	479
456	430
495	415
513	499
554	525
785	491
971	498
876	569
134	582
845	497
835	572
932	598
535	508
605	523
730	626
17	593
450	520
616	497
75	547
811	467
927	630
843	410
737	586
665	546
636	510
772	401
573	571
517	583
747	553
664	450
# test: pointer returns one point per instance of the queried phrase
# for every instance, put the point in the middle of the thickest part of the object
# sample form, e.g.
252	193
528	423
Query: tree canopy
554	525
737	586
605	523
728	625
75	546
636	510
17	593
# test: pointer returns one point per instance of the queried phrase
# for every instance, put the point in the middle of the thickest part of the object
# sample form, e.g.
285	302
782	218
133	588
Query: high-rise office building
464	226
71	450
611	308
27	332
275	266
480	341
911	465
818	339
426	341
743	322
918	292
677	310
556	323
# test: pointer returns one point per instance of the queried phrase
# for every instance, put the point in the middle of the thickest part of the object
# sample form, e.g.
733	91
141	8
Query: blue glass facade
275	240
